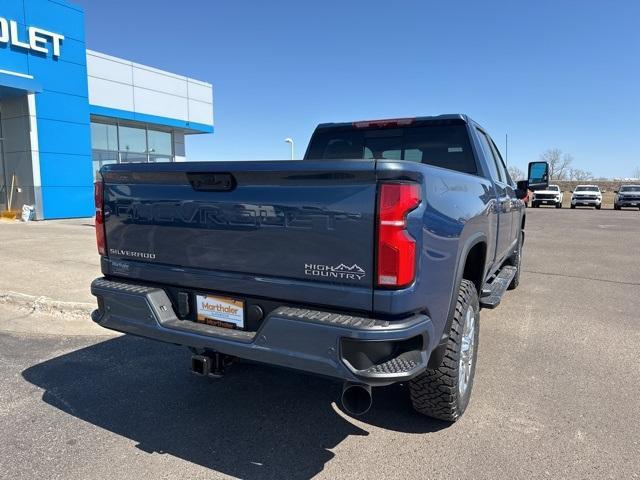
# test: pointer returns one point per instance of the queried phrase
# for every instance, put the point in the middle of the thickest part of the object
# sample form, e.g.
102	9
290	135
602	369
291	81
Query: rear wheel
444	392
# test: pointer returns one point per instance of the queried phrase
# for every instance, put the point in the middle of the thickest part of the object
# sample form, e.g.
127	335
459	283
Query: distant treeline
606	185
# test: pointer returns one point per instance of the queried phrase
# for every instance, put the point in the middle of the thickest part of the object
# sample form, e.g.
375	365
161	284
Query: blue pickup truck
367	262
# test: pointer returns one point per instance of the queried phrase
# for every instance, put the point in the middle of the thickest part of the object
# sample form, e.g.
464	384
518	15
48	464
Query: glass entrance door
3	174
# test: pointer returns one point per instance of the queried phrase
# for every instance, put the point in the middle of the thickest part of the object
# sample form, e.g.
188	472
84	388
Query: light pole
506	148
290	141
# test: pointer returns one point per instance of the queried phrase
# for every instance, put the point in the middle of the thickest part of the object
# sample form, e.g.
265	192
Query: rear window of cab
445	146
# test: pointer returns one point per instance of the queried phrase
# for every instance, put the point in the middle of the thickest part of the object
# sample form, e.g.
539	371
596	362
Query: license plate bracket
220	311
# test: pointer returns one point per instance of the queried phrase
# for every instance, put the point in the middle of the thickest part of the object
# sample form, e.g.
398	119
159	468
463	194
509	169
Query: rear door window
445	146
488	155
504	173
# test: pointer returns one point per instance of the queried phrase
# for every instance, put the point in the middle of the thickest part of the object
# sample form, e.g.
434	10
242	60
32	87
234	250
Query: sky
547	73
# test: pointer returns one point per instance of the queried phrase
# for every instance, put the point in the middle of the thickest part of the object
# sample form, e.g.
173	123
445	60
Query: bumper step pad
337	319
395	366
492	293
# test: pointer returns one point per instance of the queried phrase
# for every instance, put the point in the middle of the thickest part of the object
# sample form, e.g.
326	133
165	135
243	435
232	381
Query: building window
104	136
159	142
132	140
121	143
101	158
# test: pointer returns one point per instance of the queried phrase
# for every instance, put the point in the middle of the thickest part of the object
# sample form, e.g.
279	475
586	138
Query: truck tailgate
302	221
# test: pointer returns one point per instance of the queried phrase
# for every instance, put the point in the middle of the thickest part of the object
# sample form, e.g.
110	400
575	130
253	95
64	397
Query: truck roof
391	122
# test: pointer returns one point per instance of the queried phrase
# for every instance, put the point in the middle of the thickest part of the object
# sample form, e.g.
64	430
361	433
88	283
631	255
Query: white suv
551	196
587	195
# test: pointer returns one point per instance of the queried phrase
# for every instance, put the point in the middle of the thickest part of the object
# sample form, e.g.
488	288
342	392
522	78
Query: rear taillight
396	248
98	195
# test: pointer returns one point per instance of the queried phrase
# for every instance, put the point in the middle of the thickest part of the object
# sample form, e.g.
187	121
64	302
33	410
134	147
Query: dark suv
627	196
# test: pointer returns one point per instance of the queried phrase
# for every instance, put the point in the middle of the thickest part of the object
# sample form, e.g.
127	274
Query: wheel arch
472	262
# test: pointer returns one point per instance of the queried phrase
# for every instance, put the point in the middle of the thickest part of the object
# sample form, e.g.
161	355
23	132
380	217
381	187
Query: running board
492	292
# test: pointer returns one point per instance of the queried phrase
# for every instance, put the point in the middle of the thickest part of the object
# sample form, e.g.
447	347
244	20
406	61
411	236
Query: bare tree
578	175
636	173
559	163
515	173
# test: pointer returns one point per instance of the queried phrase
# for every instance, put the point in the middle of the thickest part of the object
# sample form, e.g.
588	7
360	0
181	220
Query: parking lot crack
564	275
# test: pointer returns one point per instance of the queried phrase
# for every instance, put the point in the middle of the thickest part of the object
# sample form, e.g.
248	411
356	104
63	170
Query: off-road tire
435	391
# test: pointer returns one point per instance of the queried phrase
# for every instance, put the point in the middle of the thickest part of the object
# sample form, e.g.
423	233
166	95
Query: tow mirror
538	178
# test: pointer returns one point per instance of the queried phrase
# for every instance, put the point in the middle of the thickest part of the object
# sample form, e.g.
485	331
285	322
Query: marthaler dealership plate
220	311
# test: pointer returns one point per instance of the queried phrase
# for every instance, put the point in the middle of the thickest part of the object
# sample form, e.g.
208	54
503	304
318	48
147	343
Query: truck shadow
256	422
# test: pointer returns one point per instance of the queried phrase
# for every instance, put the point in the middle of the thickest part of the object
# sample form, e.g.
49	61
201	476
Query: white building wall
124	85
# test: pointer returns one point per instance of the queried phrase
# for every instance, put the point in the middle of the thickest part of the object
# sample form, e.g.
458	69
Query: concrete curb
29	314
47	305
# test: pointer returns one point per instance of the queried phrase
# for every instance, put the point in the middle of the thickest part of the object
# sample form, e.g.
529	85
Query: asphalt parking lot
557	391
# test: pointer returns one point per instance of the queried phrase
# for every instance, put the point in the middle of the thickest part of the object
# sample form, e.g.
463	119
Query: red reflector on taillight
98	196
396	248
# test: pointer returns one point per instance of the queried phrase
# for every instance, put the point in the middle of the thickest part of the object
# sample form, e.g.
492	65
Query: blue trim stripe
20	83
146	118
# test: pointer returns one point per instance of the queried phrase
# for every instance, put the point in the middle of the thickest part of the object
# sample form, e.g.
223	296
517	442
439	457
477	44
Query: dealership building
65	110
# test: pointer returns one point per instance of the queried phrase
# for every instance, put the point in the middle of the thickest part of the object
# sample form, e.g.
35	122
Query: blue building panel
13	10
72	51
56	136
13	59
60	76
66	170
59	17
67	202
62	109
64	137
19	84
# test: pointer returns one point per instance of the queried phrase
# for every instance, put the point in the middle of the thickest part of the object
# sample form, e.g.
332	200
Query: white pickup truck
552	195
586	195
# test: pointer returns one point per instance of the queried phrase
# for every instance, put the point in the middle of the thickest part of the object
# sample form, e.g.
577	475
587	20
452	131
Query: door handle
211	182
